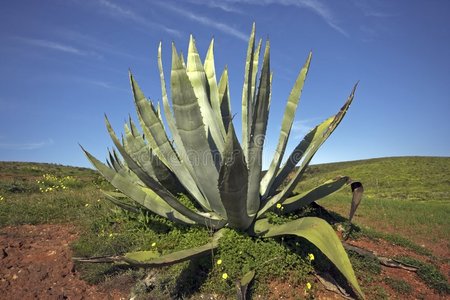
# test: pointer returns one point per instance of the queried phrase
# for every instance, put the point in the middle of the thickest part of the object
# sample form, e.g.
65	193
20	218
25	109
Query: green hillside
406	196
409	196
411	178
406	202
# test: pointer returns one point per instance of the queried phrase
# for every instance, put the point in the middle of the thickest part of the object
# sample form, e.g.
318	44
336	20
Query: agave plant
206	161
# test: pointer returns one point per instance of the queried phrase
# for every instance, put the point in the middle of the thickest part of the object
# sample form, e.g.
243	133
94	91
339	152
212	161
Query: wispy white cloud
118	11
106	85
316	6
373	9
223	5
301	127
57	46
206	21
94	43
26	146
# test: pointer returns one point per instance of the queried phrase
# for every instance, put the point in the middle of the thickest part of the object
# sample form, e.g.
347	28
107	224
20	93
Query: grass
398	285
409	196
398	198
429	273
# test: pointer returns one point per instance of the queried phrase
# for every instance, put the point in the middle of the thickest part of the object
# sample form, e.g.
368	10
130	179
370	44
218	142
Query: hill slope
412	178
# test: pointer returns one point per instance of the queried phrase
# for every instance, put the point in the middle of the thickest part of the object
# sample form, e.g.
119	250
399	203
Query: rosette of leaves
202	157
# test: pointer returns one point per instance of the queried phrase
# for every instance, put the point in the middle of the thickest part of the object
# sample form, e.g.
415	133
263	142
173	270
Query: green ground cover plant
429	273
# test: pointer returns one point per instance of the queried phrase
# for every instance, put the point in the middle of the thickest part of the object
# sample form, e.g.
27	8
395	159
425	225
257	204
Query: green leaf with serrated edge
150	123
242	285
247	278
158	113
325	129
286	125
317	193
192	132
125	206
254	75
144	196
161	190
146	260
151	164
259	125
180	149
247	94
210	71
307	148
321	235
233	184
142	255
164	148
136	147
197	77
224	96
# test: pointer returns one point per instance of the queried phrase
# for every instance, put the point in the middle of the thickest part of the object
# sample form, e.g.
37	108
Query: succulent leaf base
203	158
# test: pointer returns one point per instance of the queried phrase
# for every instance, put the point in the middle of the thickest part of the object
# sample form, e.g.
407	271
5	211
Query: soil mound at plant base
35	263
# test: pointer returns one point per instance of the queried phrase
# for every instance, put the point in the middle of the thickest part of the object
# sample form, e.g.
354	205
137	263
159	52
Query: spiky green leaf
190	125
320	234
305	152
160	190
233	182
257	137
149	259
224	96
144	196
319	192
163	148
286	125
198	80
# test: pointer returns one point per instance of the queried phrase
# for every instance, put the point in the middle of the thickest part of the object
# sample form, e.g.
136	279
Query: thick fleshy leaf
150	258
233	182
224	96
357	190
190	125
320	234
163	148
286	125
247	95
144	196
242	285
136	147
114	198
257	137
161	190
305	152
210	71
180	149
197	77
319	192
153	128
138	150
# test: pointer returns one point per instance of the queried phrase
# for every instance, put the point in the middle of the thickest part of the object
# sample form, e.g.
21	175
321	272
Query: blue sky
63	64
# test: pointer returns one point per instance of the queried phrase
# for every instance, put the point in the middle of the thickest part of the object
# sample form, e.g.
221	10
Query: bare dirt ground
35	263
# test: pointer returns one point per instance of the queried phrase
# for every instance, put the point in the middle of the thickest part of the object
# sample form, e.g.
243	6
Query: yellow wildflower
279	205
311	256
224	276
153	244
219	261
308	286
